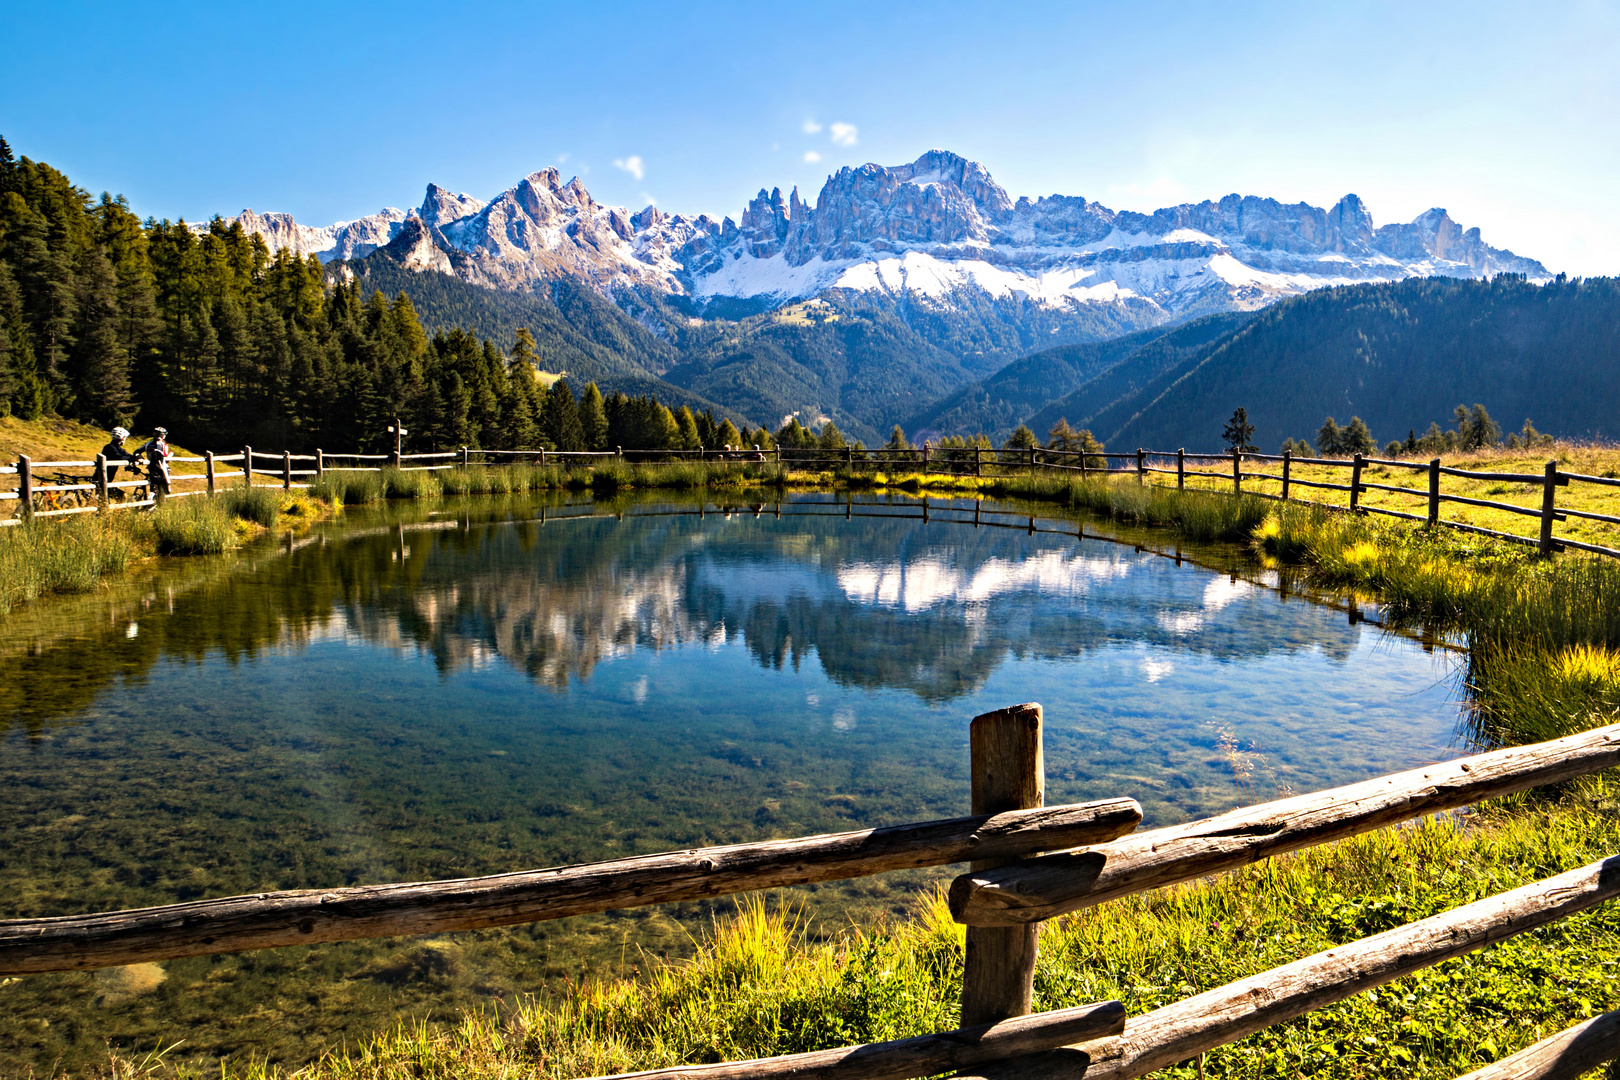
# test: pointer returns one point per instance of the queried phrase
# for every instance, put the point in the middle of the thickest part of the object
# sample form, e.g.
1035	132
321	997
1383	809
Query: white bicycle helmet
120	433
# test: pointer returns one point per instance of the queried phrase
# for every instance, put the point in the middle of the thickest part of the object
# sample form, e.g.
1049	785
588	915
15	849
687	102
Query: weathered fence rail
1009	889
958	461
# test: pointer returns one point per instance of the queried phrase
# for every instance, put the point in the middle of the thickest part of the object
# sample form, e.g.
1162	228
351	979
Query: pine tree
1239	433
559	418
831	438
1356	439
1062	436
687	436
101	367
760	438
897	440
593	419
1411	441
1475	428
1021	439
1329	439
728	435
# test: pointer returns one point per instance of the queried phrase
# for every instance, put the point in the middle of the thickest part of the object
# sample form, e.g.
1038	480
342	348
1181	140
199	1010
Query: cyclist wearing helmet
157	455
114	452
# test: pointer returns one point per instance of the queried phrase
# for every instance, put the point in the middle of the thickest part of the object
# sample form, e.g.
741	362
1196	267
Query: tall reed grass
260	505
62	555
194	526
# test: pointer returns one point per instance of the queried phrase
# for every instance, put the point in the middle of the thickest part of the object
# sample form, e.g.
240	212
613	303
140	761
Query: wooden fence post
1009	773
208	466
619	451
1237	471
1288	459
1355	484
1434	491
925	457
466	458
25	486
849	458
1181	469
320	463
1549	491
286	470
101	481
1141	465
978	461
542	457
247	466
1032	459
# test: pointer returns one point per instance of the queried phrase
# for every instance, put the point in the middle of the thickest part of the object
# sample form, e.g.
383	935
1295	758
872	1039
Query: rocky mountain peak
441	206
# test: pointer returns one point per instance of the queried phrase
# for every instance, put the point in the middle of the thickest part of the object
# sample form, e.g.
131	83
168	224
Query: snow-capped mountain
932	231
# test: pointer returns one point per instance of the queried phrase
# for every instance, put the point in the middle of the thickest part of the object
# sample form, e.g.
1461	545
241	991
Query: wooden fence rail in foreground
1053	885
1190	1027
924	1055
1001	903
308	916
1564	1056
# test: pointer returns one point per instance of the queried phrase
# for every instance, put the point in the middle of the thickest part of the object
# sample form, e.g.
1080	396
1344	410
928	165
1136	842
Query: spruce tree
831	438
687	436
728	435
1239	433
559	418
101	367
1356	439
1062	436
593	419
897	440
1021	439
1329	439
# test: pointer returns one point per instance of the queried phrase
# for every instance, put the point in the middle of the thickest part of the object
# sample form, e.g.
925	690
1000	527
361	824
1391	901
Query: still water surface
426	692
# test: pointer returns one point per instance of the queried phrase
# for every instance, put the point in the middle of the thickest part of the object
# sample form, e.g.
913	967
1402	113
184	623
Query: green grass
62	555
194	526
758	987
260	505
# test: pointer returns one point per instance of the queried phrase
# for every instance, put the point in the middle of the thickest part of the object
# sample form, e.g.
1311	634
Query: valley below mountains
902	294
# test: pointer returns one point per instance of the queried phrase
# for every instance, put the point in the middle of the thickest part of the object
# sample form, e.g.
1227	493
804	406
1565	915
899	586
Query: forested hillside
1399	356
1105	403
106	319
1006	399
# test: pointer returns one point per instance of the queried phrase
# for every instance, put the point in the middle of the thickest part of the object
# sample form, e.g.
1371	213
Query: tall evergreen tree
1356	438
1239	433
686	429
559	418
1329	439
593	419
101	367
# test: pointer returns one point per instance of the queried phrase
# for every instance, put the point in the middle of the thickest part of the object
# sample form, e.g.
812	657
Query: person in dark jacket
114	452
157	455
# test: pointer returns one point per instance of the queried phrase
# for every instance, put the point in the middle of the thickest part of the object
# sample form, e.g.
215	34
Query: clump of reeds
260	505
63	555
194	526
347	487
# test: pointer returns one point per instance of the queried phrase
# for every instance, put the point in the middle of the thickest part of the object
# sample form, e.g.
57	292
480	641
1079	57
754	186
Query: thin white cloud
811	155
632	165
811	127
843	134
562	158
648	199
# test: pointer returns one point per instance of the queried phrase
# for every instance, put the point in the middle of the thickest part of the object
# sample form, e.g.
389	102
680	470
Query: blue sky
1505	114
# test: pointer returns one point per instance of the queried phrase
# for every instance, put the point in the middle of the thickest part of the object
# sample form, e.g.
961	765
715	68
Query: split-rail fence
289	471
1028	863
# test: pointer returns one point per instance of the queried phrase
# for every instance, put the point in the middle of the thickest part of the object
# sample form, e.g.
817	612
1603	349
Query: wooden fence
1028	863
960	461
